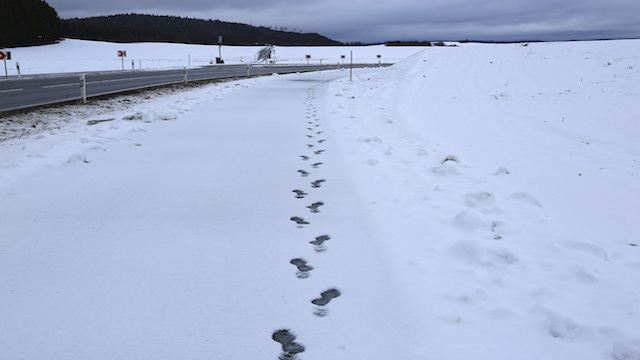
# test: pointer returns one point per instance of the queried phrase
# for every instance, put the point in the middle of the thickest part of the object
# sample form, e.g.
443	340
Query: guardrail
48	90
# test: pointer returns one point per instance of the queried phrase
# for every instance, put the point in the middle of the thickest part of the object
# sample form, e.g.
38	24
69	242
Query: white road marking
60	85
10	90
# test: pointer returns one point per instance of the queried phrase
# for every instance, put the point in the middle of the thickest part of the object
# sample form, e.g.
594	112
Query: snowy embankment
504	179
481	203
88	56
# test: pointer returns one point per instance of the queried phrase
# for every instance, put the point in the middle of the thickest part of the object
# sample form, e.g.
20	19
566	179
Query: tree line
28	22
155	28
34	22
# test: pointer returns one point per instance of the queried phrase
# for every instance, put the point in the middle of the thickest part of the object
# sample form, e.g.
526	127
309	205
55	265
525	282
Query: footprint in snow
318	152
316	184
303	268
321	141
309	136
303	173
323	300
290	348
310	146
318	243
314	207
299	193
300	221
304	157
315	165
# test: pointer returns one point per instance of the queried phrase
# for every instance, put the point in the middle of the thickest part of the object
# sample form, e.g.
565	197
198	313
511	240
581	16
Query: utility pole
351	67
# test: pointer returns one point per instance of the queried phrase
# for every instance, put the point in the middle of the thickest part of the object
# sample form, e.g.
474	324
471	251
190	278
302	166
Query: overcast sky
385	20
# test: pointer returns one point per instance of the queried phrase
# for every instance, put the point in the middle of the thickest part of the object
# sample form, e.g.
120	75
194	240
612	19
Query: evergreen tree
137	28
28	22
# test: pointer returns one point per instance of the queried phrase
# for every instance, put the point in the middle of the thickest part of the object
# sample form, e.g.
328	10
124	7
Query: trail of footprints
290	348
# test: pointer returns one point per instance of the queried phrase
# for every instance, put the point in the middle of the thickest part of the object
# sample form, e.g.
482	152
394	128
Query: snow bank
504	181
84	56
500	181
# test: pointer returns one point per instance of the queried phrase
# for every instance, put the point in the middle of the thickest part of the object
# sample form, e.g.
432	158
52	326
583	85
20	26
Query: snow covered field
478	202
80	55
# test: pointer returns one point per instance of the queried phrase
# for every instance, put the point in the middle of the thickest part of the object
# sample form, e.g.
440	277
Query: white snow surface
71	55
481	202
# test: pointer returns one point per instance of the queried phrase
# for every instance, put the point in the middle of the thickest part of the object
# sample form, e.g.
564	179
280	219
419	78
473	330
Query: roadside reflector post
6	74
18	69
83	88
308	57
248	69
185	76
133	66
379	57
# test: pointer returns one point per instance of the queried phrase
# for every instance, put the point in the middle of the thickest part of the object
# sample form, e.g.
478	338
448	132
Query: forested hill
27	22
153	28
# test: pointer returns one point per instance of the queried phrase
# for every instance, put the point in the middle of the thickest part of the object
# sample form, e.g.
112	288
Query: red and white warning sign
5	55
122	53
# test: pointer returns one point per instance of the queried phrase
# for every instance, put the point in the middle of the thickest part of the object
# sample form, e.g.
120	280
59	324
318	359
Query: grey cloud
380	20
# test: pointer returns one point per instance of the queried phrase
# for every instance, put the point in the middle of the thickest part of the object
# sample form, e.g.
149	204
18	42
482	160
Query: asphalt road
31	92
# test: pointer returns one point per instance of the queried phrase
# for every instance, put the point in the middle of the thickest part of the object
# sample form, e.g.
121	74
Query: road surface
44	90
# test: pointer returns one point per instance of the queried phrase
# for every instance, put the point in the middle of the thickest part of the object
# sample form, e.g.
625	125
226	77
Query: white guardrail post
83	88
185	76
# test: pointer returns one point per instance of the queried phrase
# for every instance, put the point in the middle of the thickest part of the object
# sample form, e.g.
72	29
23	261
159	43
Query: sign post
379	56
5	56
122	54
308	57
219	58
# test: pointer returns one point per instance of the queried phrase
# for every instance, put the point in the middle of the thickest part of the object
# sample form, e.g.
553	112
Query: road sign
5	55
122	53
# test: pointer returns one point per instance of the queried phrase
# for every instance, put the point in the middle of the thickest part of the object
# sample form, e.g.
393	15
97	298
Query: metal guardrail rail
35	91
